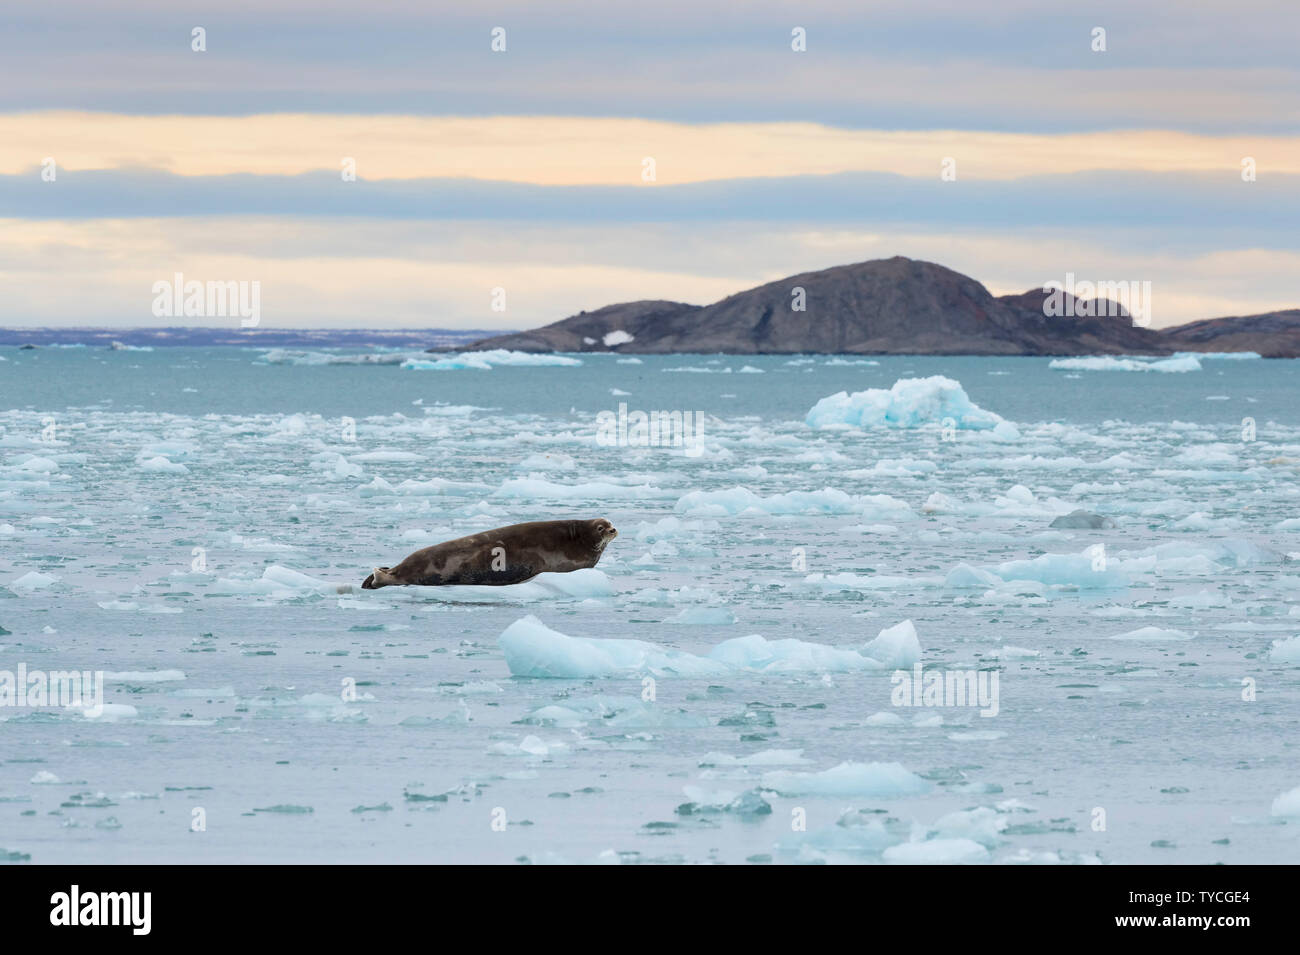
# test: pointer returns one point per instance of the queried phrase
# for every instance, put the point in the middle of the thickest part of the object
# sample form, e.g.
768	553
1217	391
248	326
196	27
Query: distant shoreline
416	339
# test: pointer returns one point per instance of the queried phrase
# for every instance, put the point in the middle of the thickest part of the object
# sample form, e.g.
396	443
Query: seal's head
380	578
603	532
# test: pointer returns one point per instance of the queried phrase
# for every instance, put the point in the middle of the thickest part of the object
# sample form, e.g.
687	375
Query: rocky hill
895	306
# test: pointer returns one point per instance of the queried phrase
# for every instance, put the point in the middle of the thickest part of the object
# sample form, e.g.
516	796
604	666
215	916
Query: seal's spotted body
504	555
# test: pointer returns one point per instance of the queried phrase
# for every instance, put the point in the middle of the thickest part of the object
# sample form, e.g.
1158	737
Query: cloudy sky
126	155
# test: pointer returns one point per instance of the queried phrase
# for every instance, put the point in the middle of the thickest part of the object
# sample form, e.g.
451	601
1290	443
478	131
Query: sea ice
1187	362
484	360
910	403
937	852
790	656
581	584
1153	633
533	649
33	580
880	780
1285	651
1287	805
896	647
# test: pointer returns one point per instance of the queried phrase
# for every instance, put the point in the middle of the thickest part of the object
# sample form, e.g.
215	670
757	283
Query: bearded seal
504	555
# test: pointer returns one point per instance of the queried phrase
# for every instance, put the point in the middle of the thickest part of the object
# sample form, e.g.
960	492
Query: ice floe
1182	363
485	360
910	403
848	779
534	650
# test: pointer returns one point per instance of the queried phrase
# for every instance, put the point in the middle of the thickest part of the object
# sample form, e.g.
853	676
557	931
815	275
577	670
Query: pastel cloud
565	150
356	272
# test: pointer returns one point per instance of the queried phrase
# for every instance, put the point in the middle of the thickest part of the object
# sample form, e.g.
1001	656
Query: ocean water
195	523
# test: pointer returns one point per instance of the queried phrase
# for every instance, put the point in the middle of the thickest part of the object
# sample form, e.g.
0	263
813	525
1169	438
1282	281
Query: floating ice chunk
286	356
1199	521
1285	651
34	580
749	803
1020	494
848	779
278	581
1187	362
1195	558
896	647
910	403
982	825
1218	355
146	676
1287	805
869	837
1153	633
1064	570
36	464
581	584
1208	455
558	716
484	360
964	576
790	656
530	746
1082	520
106	712
534	650
1014	653
828	500
163	465
884	718
1006	431
435	487
295	580
343	468
937	852
393	456
44	778
938	503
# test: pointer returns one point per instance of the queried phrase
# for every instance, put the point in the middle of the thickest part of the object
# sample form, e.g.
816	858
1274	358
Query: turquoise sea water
189	521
